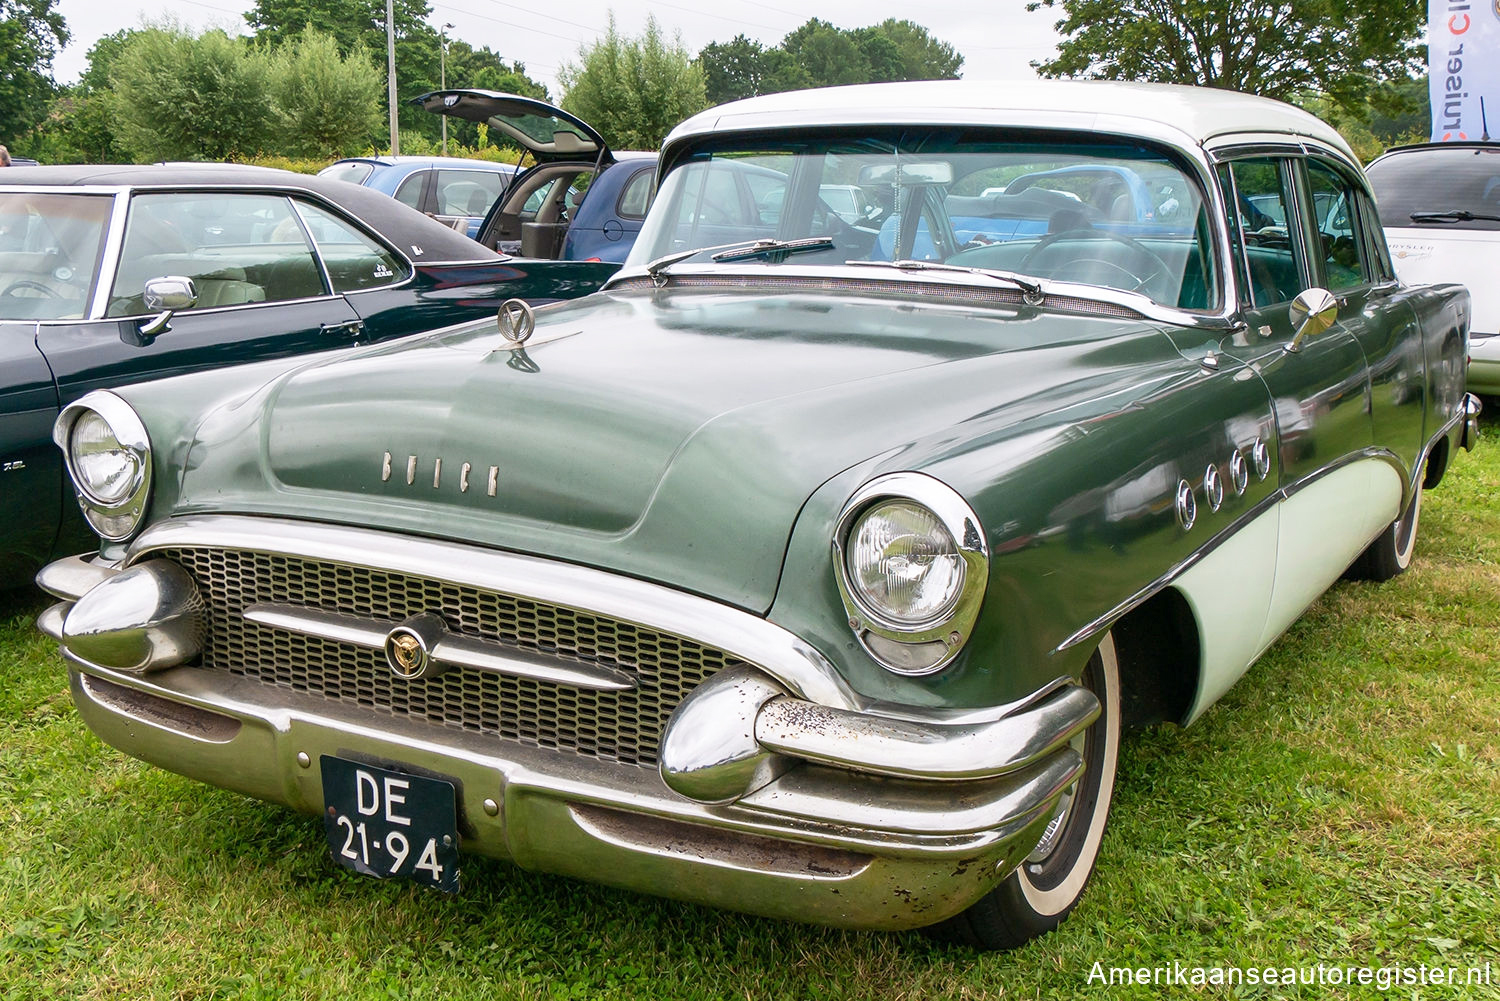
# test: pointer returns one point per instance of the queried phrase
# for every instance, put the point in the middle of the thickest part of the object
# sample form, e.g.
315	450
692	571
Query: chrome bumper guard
874	817
1469	436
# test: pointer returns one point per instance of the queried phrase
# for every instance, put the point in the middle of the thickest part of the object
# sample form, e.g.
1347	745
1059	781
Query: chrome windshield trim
850	272
781	654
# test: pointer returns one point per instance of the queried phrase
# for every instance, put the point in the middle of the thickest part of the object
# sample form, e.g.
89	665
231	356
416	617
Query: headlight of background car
912	565
109	458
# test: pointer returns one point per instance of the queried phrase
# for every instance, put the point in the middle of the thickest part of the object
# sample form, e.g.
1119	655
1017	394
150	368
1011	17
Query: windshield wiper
1453	215
1032	289
773	250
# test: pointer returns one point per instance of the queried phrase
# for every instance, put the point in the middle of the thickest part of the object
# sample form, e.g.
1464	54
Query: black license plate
391	824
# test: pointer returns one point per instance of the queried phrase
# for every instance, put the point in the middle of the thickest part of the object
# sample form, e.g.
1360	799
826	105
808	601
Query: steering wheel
1159	268
48	292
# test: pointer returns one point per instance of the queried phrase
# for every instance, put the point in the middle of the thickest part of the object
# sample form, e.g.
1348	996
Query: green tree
903	50
327	105
828	56
633	90
182	97
1339	48
734	69
31	32
818	54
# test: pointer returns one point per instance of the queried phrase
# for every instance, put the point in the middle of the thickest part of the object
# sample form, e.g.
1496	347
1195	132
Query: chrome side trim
451	650
786	657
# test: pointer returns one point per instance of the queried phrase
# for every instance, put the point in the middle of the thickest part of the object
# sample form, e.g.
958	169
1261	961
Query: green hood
674	437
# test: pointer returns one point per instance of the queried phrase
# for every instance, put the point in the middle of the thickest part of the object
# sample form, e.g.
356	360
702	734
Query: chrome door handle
349	328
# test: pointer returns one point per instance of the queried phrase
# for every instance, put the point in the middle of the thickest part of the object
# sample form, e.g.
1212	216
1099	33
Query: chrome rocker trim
858	815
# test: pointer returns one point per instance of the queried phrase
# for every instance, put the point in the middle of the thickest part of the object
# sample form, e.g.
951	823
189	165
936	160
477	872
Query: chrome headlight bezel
113	520
926	646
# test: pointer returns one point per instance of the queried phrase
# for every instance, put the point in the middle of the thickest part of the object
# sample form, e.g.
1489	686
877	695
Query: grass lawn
1340	806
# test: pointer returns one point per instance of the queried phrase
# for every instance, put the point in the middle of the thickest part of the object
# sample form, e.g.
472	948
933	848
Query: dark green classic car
813	566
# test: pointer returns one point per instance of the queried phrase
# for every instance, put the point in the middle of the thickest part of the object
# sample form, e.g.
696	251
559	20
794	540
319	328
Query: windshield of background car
353	172
1460	179
1120	216
49	251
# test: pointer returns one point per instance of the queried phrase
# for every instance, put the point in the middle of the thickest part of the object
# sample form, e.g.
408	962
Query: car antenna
1484	125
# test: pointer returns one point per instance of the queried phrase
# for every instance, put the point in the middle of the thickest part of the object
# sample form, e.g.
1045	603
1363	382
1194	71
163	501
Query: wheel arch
1160	660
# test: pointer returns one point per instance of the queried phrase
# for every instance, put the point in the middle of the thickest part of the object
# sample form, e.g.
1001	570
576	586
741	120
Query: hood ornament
517	320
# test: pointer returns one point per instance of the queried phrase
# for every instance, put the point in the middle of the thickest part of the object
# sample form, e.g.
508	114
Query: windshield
49	251
1444	187
1119	216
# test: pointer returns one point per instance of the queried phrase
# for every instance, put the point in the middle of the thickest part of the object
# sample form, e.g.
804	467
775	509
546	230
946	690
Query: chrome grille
618	726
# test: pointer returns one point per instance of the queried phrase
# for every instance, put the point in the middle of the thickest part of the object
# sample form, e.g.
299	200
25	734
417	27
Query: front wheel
1391	552
1037	896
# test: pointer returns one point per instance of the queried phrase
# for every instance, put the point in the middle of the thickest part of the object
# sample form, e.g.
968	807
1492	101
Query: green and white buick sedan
812	567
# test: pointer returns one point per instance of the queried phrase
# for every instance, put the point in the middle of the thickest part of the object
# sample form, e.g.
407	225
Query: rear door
1320	392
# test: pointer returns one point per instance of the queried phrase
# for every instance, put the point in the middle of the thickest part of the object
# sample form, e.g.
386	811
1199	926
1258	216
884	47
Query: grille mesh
618	726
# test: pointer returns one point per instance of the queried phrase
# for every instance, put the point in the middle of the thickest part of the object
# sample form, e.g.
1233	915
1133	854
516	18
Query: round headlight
912	566
904	565
109	459
106	470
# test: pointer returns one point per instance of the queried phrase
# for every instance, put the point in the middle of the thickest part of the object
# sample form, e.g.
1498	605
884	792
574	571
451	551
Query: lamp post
443	76
390	72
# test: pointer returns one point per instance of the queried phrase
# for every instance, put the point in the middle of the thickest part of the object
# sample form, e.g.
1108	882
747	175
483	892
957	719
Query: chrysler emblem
517	320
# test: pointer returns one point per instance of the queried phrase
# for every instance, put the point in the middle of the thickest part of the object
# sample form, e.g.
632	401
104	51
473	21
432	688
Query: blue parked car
449	189
575	199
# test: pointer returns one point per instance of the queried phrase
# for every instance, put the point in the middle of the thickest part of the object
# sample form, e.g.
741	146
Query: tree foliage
359	25
187	97
1275	48
327	104
633	90
819	54
31	32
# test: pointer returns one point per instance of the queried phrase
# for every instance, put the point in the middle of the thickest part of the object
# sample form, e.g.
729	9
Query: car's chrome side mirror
1312	312
165	296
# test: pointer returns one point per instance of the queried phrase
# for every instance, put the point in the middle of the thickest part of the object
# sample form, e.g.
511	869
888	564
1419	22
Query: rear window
354	173
1439	186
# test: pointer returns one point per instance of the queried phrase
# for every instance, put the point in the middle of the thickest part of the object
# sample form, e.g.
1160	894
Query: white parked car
1440	203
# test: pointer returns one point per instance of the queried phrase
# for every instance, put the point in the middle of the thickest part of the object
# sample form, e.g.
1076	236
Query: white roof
1194	115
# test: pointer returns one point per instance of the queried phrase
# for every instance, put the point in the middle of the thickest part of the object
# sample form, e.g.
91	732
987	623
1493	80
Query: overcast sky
998	38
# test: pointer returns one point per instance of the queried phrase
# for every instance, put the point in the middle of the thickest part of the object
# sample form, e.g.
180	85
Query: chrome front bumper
857	815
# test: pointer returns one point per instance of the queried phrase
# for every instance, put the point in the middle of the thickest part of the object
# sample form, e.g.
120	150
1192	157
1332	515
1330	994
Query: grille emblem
409	647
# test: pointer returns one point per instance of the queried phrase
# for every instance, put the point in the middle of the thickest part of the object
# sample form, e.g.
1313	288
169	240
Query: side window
1336	219
353	258
237	248
467	192
1262	208
636	197
410	190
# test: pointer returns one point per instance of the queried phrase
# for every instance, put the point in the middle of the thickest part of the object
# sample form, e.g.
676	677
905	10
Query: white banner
1463	39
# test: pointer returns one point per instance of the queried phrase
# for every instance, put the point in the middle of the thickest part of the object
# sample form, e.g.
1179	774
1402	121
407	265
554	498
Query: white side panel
1230	595
1248	591
1323	528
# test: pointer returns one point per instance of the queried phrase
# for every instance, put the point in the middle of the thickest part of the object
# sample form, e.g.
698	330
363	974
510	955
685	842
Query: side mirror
165	296
1312	312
